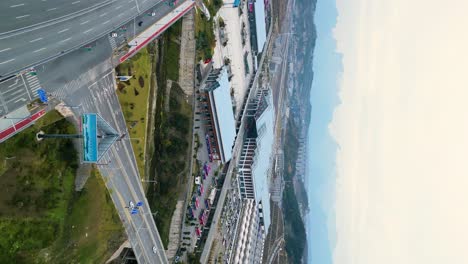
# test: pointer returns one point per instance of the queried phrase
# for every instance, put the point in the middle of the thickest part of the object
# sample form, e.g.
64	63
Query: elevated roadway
37	31
118	167
86	79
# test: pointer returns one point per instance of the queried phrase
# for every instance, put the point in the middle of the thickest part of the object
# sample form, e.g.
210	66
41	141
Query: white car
155	250
114	34
131	205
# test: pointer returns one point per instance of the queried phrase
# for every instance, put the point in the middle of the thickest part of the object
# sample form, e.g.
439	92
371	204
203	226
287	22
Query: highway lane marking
84	22
88	30
63	30
14	93
133	8
14	88
18	17
13	6
65	40
34	40
52	9
7	61
106	22
103	14
15	97
76	2
118	7
126	176
39	50
5	49
21	99
16	82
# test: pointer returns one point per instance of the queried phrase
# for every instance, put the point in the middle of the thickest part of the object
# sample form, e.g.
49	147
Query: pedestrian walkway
17	121
33	83
187	54
156	29
112	42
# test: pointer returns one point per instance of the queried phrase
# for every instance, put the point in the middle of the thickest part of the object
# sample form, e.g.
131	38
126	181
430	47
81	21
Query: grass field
93	230
133	96
38	204
172	51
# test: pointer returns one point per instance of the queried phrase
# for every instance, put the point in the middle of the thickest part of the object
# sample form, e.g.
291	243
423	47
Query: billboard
89	133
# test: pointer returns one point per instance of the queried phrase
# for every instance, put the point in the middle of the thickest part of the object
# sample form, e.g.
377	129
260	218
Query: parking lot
206	177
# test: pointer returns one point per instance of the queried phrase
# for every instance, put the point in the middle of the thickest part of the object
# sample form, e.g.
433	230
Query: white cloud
402	127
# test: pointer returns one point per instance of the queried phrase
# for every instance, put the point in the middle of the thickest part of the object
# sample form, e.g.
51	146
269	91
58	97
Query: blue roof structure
263	154
260	24
223	115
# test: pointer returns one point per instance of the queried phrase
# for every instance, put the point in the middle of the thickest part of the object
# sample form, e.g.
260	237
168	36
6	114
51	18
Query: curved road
41	37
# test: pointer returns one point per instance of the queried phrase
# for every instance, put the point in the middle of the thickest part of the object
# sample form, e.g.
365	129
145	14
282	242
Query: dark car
140	23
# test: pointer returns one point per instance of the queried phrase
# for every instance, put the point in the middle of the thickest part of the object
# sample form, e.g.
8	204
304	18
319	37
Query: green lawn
93	230
172	51
38	202
133	96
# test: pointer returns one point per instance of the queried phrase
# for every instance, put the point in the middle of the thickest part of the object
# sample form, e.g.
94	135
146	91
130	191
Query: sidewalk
23	119
155	30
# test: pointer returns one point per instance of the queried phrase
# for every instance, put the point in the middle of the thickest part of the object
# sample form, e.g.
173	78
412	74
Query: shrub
141	81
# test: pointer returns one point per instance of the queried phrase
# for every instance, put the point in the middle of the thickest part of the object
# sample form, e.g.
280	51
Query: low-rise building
254	171
218	114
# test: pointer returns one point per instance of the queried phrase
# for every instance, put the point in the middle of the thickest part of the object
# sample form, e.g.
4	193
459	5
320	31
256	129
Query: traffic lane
20	51
132	222
147	4
137	192
124	188
78	34
105	19
103	90
11	85
24	13
146	19
56	74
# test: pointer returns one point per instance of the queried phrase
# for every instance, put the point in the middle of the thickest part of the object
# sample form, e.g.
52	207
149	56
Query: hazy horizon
393	186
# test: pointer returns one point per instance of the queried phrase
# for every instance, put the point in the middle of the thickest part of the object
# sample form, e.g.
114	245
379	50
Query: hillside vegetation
42	218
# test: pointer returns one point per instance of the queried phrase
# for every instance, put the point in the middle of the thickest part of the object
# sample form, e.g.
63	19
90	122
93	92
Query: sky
320	178
392	183
401	127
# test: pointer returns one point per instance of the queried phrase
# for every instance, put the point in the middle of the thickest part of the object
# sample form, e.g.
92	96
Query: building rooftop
260	24
263	156
224	115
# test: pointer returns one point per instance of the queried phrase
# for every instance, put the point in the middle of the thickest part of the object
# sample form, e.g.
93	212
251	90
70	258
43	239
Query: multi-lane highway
59	72
86	79
118	166
31	35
